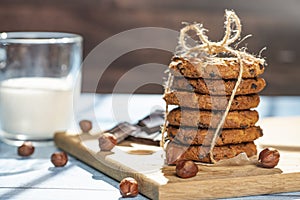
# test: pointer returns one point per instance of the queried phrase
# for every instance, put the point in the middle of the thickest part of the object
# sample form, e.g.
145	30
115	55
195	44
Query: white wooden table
36	178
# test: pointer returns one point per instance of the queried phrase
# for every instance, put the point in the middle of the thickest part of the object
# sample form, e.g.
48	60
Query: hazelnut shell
26	149
268	158
85	125
107	141
186	169
129	187
59	159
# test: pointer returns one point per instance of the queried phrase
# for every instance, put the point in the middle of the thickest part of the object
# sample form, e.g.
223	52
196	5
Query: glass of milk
40	79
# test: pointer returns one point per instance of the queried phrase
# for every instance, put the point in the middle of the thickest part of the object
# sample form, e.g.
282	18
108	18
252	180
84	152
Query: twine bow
231	35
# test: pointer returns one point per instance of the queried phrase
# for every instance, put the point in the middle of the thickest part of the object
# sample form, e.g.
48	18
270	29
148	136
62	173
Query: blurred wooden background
273	23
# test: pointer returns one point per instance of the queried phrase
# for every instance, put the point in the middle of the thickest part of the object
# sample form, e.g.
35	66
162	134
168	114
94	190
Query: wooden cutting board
158	181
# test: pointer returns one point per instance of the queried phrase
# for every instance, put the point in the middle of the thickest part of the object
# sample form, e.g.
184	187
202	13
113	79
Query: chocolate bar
122	131
146	131
153	122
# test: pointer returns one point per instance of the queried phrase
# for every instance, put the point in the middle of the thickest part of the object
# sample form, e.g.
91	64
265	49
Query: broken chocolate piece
122	131
153	122
146	131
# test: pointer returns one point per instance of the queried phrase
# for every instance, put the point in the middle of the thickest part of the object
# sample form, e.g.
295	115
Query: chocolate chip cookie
229	69
194	136
175	152
207	102
219	87
205	119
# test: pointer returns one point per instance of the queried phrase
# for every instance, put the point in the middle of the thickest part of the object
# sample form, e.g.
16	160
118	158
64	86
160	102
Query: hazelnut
268	158
186	169
26	149
85	125
129	187
59	159
107	141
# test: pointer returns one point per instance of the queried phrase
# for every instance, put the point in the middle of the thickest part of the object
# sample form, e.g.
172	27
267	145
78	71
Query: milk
35	108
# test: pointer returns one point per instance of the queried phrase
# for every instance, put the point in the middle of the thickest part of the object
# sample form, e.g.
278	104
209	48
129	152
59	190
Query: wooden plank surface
157	181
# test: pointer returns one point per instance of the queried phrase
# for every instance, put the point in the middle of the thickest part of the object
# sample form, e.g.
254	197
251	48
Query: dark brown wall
273	23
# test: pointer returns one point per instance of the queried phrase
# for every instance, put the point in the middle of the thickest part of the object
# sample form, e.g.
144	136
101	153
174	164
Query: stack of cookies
200	95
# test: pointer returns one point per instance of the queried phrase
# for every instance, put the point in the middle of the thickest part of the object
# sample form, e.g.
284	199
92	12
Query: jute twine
205	53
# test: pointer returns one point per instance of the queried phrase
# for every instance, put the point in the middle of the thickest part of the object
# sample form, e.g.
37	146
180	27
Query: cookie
219	87
229	69
207	102
175	152
194	136
205	119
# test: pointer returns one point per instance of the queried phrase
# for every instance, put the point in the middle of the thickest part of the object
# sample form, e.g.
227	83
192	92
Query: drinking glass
40	79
